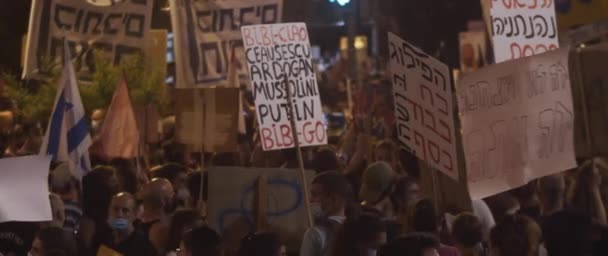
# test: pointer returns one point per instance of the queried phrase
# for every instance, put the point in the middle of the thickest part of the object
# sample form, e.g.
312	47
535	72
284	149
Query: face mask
183	194
119	224
316	211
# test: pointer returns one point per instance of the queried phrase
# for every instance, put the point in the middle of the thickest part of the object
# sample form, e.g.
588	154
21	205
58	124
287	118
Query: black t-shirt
135	245
16	238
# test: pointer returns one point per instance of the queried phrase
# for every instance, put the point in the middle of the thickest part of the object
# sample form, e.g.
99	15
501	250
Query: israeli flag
67	136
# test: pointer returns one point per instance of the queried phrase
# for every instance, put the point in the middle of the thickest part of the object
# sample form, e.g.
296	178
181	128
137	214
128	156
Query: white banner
120	29
522	28
517	120
206	32
24	194
273	52
423	106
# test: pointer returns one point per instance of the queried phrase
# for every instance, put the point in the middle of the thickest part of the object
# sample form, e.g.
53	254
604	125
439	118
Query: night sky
422	22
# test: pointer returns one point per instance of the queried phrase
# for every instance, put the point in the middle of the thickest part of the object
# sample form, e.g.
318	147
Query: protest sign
119	30
231	203
517	121
472	50
205	33
422	91
522	28
208	117
276	55
575	13
24	190
589	83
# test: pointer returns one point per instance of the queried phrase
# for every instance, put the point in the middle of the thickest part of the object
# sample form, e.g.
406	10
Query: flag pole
296	140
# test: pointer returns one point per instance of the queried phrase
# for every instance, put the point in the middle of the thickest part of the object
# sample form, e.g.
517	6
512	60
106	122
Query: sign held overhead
278	56
424	110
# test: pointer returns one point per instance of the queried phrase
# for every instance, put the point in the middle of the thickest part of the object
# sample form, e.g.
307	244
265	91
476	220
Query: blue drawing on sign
248	214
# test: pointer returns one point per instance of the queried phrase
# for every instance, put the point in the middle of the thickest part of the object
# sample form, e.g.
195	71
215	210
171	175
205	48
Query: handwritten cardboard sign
208	117
207	31
522	28
517	120
424	110
232	203
273	52
118	30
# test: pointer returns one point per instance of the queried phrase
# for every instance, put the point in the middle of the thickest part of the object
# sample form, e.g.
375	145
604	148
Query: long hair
97	191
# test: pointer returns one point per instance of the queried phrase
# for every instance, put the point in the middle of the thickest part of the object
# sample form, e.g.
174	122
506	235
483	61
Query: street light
340	2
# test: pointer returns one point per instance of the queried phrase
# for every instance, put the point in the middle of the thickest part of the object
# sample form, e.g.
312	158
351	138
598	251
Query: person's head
126	173
377	183
424	217
98	186
176	153
57	210
326	159
467	231
515	234
526	194
363	235
262	244
551	192
567	233
384	151
414	244
502	205
177	174
330	192
52	240
201	241
158	197
63	182
181	221
406	193
122	213
587	181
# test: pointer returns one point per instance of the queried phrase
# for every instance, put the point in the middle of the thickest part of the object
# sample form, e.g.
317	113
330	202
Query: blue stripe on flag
77	134
55	128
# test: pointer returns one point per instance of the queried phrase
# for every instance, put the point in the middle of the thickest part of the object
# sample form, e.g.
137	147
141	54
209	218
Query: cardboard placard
517	122
119	30
522	28
208	117
276	55
424	109
206	31
232	206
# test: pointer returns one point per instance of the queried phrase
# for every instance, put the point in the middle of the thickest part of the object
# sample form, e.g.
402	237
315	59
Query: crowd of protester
366	199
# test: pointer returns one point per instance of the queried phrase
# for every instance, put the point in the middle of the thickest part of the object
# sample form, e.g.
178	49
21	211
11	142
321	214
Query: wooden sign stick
294	132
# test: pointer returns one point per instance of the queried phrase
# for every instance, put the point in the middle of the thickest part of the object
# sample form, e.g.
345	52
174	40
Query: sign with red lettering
522	28
517	121
208	37
424	110
273	52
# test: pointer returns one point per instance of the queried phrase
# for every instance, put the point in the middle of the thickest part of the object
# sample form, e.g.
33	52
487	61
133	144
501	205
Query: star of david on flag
67	136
